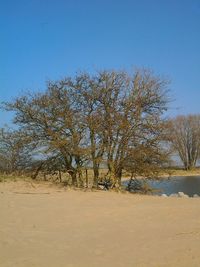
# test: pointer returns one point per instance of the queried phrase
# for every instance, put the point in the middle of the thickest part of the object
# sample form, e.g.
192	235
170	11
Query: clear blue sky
48	39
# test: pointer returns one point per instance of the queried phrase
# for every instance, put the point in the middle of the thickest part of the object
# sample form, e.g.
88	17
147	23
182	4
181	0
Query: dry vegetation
94	130
112	119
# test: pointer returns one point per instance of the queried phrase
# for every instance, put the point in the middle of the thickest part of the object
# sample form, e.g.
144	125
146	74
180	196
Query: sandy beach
47	226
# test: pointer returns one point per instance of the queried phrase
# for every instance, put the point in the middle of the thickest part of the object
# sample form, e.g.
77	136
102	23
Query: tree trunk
86	178
72	173
60	176
96	174
34	176
118	178
80	178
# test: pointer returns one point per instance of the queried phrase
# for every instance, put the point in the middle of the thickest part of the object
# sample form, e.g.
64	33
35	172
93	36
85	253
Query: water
189	185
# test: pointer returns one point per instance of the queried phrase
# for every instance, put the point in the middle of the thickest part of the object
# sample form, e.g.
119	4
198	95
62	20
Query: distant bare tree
185	138
15	154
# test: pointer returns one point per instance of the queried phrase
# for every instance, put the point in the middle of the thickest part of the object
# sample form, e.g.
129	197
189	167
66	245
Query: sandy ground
46	226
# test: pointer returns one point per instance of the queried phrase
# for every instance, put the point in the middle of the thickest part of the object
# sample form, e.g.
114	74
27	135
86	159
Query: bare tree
15	153
185	138
132	108
98	118
51	120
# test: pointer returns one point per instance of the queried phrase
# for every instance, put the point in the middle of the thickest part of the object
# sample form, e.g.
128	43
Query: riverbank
180	172
46	225
171	172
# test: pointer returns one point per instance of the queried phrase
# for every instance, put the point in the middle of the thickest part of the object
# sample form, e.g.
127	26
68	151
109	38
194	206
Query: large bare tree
120	112
103	117
130	109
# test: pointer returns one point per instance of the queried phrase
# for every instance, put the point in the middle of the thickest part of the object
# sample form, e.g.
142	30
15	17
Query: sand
47	226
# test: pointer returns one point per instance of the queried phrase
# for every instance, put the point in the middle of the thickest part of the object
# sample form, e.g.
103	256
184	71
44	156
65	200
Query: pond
189	185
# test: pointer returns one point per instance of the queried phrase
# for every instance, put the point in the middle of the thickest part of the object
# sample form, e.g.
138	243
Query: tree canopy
111	118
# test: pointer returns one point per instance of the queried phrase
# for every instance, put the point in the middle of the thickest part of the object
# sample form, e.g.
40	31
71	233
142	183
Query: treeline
110	119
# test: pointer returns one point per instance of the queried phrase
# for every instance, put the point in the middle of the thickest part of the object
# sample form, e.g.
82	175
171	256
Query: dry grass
177	171
174	171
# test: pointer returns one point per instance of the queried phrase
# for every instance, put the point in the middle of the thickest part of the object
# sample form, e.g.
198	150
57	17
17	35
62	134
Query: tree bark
72	173
96	174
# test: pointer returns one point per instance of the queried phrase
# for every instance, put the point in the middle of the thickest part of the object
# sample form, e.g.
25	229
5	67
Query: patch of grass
11	177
